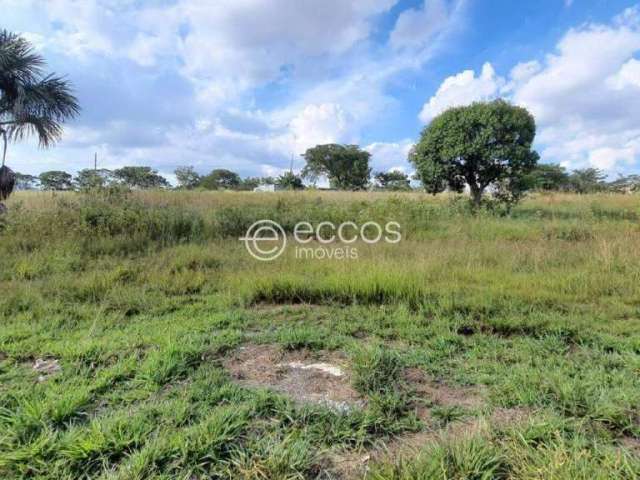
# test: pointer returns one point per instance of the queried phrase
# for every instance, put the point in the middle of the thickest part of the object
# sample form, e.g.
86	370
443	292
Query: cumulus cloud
585	95
463	89
388	156
627	76
318	124
168	83
416	27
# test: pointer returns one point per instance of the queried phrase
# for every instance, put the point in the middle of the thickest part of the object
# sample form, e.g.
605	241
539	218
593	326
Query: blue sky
247	84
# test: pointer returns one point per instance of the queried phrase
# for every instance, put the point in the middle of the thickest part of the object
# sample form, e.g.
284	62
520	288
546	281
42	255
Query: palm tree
30	101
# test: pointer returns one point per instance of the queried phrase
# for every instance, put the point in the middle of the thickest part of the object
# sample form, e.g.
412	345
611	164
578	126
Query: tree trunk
476	196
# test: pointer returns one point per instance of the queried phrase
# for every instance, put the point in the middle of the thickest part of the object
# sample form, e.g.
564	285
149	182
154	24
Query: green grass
141	298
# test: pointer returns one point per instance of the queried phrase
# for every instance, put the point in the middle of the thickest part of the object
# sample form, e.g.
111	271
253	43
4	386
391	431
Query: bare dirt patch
46	367
631	444
304	376
437	392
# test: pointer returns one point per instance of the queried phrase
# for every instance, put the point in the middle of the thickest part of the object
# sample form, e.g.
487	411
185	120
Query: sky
249	85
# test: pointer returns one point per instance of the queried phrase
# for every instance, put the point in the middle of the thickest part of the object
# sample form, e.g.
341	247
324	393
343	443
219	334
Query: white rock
323	367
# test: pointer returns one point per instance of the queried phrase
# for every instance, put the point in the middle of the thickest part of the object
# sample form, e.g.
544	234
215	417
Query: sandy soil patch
304	376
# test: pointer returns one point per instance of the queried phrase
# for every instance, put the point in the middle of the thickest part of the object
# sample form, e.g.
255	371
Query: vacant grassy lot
138	339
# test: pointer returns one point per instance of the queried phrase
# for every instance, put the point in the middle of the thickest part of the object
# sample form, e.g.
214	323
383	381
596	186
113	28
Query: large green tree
26	182
587	180
346	166
187	177
394	180
56	180
486	144
31	102
548	176
221	179
290	181
90	178
140	177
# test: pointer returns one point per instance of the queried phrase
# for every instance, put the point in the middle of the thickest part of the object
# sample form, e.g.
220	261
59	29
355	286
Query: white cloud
627	76
524	71
416	27
318	124
214	60
463	89
241	44
390	156
585	95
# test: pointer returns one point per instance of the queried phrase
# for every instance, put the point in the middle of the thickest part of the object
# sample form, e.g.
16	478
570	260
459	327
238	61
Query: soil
304	376
323	378
631	444
438	393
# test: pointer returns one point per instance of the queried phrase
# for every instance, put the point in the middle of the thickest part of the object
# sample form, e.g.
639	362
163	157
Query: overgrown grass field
479	347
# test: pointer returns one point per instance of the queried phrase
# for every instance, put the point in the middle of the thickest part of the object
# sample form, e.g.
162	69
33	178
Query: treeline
553	177
544	177
141	178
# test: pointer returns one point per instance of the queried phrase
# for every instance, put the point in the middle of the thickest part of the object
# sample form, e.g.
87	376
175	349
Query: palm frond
50	97
30	103
45	128
18	60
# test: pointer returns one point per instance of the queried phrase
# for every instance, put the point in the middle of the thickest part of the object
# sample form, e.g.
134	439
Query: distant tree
250	183
140	177
394	180
548	176
221	179
26	182
290	181
56	180
90	178
346	166
625	184
187	177
31	102
486	144
587	180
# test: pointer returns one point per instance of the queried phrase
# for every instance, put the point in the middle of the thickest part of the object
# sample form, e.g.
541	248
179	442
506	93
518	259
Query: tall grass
140	296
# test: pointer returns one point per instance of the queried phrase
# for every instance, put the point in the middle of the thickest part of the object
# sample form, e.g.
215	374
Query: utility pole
95	162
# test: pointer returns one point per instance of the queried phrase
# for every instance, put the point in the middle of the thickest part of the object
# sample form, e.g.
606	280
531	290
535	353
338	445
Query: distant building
266	187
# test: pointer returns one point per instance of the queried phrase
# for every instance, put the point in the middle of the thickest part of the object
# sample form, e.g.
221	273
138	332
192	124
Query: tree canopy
290	181
394	180
187	177
221	179
140	177
548	176
346	166
486	144
56	180
587	180
26	182
90	178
